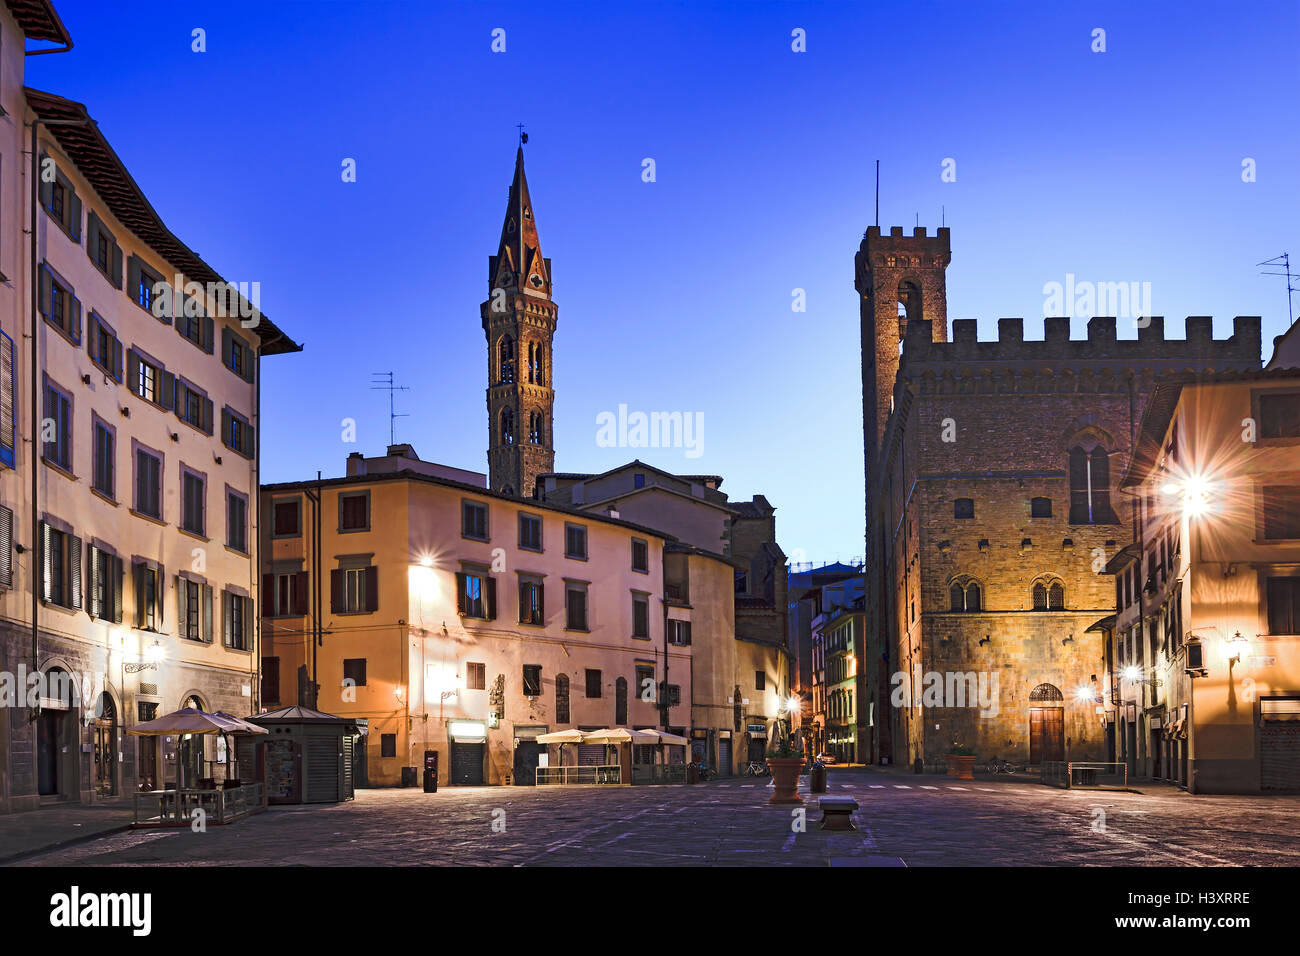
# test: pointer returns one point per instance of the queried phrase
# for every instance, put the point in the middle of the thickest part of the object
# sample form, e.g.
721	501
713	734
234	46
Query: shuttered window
194	325
59	198
56	429
236	617
144	286
474	520
354	670
575	607
270	680
1283	598
285	519
58	305
641	617
104	449
236	355
640	555
236	432
150	380
104	347
194	610
530	532
148	484
354	511
103	250
476	595
104	597
193	407
593	682
193	502
354	590
475	676
148	596
1281	505
575	541
236	521
531	601
60	568
8	403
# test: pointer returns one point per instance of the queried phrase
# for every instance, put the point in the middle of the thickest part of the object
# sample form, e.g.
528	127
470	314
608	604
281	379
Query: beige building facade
128	464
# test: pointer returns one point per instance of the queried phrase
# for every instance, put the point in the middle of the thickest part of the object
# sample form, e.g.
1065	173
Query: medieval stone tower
899	278
519	320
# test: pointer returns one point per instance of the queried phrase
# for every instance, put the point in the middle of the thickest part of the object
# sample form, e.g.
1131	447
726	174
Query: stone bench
836	812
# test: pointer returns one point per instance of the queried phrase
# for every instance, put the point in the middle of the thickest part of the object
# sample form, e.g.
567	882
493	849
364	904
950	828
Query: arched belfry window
1090	485
909	300
506	367
535	428
507	426
533	353
965	595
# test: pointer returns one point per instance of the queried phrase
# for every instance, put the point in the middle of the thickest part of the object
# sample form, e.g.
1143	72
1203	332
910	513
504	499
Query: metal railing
585	775
1083	775
651	773
177	808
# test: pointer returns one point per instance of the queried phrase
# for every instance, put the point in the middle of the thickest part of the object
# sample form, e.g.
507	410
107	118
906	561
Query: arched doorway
190	748
106	759
1046	724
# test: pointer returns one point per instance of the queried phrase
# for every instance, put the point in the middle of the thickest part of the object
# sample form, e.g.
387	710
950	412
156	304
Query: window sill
104	497
352	613
59	468
239	551
524	547
532	624
108	373
470	537
646	638
63	608
150	518
354	530
576	557
197	536
579	630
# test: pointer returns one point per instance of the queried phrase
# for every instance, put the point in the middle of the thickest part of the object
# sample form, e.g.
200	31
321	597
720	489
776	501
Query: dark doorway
106	747
1046	734
467	764
147	752
526	756
49	746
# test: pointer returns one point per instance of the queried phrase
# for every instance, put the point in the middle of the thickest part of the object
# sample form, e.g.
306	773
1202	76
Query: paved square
993	822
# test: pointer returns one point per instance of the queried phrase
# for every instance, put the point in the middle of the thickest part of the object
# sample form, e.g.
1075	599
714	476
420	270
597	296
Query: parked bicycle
703	772
997	765
756	769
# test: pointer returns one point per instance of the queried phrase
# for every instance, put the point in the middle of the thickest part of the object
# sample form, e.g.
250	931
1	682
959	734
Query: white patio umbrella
612	736
562	737
184	722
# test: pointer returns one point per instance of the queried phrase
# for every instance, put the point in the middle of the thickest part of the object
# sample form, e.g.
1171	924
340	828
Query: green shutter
207	612
115	265
92	236
116	573
74	213
47	188
47	564
133	371
74	319
181	617
73	545
167	390
43	281
206	332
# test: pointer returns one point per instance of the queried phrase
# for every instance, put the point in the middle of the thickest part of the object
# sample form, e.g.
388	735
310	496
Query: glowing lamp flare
1194	492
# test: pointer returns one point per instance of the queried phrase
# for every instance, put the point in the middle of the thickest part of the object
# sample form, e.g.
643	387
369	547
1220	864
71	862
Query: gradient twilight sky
1123	166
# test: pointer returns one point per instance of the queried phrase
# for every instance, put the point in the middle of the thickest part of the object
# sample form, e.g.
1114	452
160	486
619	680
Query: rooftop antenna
877	194
1285	262
943	216
383	382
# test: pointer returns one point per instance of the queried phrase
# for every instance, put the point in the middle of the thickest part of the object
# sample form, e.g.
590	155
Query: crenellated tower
519	321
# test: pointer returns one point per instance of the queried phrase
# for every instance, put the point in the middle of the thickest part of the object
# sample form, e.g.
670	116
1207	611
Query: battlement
918	243
1149	349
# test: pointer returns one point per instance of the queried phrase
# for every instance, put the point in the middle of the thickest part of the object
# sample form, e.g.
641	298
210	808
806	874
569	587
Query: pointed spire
520	252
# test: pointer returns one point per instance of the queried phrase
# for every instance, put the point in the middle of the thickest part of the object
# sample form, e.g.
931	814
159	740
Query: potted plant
961	762
785	762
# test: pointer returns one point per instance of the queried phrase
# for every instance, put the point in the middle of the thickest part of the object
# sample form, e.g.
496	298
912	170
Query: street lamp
1235	648
1194	490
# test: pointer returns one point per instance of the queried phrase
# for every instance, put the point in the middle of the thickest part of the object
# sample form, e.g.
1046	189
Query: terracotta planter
961	767
785	779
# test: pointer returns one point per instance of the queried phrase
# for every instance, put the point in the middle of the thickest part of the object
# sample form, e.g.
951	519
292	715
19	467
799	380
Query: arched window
535	427
506	359
1040	596
1040	508
909	300
533	351
562	698
507	426
1046	692
1090	486
1056	596
964	595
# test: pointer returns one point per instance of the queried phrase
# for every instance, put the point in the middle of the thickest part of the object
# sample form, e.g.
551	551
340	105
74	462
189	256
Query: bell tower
519	320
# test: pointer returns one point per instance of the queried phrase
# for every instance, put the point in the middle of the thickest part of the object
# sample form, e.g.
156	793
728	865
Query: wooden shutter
205	596
74	319
226	419
8	423
541	601
115	265
133	371
117	359
74	213
6	547
133	278
336	590
206	332
43	280
300	593
462	599
225	617
167	389
116	575
491	583
372	589
92	236
73	558
94	603
47	188
206	415
137	570
47	563
182	619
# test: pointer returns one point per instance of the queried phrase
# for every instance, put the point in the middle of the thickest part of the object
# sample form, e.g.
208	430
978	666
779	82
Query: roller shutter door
322	770
591	755
467	764
724	756
1280	755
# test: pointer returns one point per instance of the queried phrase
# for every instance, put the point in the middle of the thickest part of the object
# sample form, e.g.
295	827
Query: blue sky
1122	166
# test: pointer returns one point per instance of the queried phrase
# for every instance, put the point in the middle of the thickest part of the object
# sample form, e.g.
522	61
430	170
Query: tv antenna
383	382
1285	262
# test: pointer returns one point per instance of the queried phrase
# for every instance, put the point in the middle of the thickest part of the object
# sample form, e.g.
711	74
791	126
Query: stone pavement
903	819
60	824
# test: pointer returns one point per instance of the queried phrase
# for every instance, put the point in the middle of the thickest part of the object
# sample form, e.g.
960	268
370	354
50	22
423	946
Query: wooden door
1046	734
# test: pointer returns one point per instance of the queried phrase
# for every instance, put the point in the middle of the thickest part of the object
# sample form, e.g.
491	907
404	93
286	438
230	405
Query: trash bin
817	778
431	771
692	773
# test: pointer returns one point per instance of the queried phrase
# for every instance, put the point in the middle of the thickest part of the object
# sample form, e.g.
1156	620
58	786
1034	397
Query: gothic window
964	595
1090	486
507	426
532	362
535	428
1049	595
507	361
